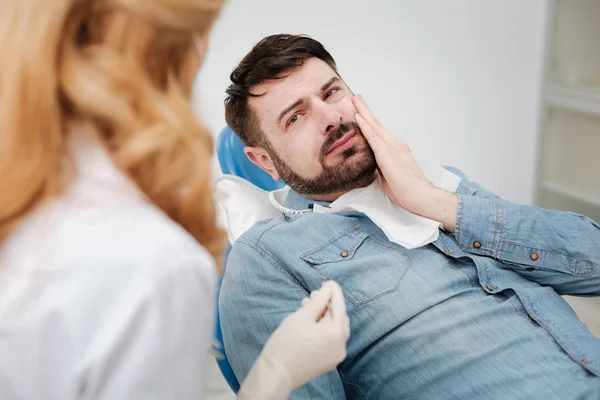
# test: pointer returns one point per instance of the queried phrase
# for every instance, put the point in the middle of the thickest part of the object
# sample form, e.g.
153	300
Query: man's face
314	143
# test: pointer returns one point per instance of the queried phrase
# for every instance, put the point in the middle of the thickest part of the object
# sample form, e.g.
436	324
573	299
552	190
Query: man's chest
356	253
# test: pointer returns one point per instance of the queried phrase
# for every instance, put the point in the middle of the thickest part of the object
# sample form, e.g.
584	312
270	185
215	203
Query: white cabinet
568	167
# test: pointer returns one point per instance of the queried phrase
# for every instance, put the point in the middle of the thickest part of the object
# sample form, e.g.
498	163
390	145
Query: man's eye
330	92
293	119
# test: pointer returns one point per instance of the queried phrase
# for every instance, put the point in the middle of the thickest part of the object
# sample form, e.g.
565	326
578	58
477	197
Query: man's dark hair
270	59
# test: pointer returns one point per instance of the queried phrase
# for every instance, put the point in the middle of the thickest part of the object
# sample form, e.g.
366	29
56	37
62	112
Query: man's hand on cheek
404	182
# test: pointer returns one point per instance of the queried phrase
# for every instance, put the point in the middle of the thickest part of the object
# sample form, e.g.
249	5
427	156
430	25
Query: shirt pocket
365	268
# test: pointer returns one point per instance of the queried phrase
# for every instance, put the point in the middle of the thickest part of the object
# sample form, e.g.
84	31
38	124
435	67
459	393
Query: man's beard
339	178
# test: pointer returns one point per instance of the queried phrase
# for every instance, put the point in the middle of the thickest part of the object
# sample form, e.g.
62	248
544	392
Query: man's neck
331	197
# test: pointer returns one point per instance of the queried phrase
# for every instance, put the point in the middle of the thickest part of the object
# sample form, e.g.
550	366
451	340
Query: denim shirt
478	313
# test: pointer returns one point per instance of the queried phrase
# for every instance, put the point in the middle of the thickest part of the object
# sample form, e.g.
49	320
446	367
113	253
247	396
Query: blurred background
506	90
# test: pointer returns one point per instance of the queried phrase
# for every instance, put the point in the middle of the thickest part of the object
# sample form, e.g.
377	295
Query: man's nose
331	118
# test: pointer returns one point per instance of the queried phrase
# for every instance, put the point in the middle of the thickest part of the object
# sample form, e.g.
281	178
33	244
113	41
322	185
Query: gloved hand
308	343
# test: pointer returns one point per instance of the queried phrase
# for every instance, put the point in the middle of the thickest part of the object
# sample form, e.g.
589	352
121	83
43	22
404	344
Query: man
475	314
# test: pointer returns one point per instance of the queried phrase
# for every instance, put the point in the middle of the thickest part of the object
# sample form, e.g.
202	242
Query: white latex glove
308	343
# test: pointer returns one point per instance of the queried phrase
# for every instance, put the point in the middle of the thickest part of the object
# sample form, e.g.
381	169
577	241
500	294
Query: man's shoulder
268	252
258	230
260	241
283	241
292	234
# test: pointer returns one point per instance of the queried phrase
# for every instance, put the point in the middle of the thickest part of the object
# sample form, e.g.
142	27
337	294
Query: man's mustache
337	134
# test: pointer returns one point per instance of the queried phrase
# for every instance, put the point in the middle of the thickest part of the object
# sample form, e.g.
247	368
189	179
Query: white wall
458	80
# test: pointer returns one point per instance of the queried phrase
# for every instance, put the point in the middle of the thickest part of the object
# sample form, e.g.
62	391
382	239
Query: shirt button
344	254
448	252
489	287
477	245
534	256
586	361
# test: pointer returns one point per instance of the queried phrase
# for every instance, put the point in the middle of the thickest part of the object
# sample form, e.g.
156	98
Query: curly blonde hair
120	64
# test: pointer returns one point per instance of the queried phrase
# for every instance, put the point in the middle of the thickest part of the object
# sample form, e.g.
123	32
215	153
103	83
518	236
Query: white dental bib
244	204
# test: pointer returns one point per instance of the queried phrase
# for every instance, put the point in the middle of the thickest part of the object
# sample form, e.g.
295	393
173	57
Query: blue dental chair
233	161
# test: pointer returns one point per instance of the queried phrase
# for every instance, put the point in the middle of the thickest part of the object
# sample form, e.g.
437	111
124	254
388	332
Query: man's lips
341	142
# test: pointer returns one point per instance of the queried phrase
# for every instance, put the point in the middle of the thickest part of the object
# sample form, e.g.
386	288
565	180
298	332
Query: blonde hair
119	64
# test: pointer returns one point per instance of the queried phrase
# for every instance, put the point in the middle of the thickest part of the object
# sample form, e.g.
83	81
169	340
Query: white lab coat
102	296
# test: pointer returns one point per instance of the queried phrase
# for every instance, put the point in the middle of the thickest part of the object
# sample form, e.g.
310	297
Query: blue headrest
234	161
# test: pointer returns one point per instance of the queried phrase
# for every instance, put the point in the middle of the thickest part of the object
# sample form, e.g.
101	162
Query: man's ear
260	157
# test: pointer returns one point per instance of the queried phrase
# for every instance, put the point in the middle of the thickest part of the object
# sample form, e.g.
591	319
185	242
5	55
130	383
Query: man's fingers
373	131
367	130
364	110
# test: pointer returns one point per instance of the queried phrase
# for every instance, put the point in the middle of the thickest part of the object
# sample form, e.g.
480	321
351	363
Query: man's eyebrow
329	83
288	109
301	101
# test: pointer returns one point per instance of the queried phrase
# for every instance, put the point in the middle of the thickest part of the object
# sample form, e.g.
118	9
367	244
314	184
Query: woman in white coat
108	243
